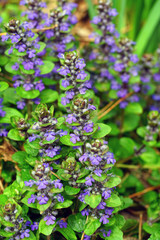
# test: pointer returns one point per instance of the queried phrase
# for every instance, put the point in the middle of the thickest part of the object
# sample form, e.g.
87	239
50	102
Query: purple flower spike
25	233
85	212
74	138
81	75
32	199
86	237
42	184
42	199
89	181
64	71
70	119
57	183
49	219
88	128
34	226
62	224
50	136
60	198
106	194
30	183
21	104
104	219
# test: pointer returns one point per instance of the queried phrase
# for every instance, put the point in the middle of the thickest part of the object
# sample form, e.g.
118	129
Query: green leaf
31	160
14	134
135	108
71	190
47	67
27	94
10	96
116	234
148	29
10	112
48	81
30	150
99	179
15	52
41	48
131	121
8	68
113	182
149	155
65	204
66	141
43	207
46	229
13	190
31	71
31	236
115	129
93	200
92	225
91	9
121	20
68	233
128	144
113	201
6	234
25	200
3	86
3	60
141	131
103	131
48	96
77	222
155	227
3	199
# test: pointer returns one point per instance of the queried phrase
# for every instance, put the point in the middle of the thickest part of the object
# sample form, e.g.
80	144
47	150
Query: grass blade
91	9
148	29
121	19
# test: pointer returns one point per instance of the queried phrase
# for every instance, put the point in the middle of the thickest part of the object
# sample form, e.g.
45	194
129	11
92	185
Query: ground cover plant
79	121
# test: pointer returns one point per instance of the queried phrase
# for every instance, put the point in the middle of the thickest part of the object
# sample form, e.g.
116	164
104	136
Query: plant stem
49	237
115	104
106	107
138	194
55	175
140	226
82	238
93	237
29	108
119	165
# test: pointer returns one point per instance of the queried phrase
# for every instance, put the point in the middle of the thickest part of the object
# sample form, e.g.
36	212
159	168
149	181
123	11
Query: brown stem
82	238
140	226
49	237
115	104
29	109
138	194
55	175
106	107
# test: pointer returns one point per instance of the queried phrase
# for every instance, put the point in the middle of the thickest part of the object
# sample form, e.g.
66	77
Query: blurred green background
138	20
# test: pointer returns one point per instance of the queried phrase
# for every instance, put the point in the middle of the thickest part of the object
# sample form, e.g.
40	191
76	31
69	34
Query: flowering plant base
60	179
